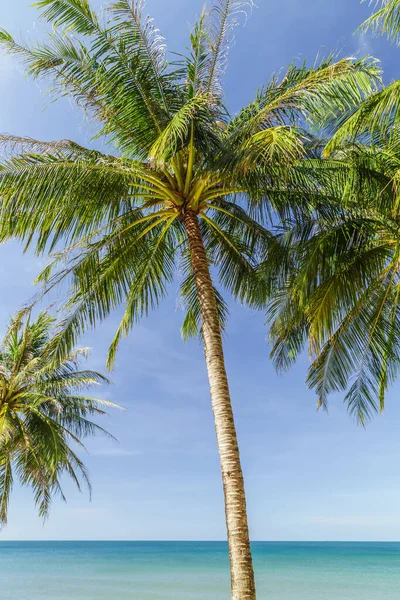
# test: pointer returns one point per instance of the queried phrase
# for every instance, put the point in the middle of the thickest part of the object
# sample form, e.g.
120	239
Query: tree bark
241	565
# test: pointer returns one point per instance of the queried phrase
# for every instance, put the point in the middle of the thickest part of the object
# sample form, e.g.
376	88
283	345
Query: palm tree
341	291
42	414
342	294
190	189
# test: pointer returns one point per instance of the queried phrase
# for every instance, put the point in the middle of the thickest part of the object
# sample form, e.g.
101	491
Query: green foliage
375	118
342	291
43	413
385	21
119	219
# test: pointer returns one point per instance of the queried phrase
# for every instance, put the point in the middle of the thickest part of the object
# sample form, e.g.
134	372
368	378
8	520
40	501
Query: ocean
196	571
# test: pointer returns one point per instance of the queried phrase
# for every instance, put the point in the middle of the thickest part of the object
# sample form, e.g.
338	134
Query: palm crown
343	292
121	216
42	413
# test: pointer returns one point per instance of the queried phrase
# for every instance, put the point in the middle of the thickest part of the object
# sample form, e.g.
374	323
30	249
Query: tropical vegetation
385	21
44	417
189	189
341	294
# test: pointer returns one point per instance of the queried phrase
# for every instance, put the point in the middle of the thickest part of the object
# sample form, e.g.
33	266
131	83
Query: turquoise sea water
195	571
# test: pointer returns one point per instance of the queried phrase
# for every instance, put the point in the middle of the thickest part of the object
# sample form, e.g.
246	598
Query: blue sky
309	476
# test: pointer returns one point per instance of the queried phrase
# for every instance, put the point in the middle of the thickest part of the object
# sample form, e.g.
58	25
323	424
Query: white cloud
115	452
364	44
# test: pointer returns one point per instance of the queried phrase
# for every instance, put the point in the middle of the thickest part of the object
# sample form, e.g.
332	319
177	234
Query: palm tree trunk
242	574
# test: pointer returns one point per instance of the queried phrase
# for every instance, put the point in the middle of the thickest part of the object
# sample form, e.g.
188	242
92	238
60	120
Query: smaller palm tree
42	414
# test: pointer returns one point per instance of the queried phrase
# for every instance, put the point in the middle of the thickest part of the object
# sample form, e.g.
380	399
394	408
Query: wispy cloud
115	452
364	44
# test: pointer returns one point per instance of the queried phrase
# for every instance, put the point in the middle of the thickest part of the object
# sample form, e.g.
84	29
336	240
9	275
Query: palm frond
221	21
6	482
156	270
144	40
317	94
374	118
384	21
176	135
75	15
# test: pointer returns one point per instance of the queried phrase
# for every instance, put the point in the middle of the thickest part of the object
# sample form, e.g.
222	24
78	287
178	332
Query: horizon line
189	541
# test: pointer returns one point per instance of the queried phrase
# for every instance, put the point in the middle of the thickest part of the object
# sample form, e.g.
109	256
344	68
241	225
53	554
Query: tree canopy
44	417
119	217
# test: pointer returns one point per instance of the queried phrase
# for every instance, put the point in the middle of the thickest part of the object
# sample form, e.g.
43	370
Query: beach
196	571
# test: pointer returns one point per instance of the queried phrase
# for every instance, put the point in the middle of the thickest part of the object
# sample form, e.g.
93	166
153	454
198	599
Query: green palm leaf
385	21
342	288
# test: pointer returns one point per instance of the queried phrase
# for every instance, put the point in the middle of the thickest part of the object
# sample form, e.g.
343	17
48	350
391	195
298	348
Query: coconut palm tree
189	189
42	414
342	293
